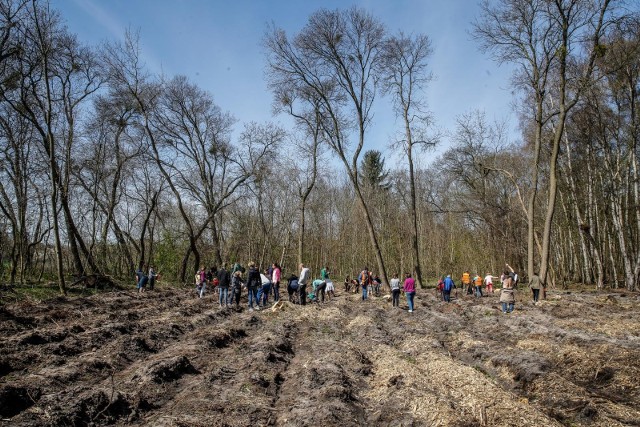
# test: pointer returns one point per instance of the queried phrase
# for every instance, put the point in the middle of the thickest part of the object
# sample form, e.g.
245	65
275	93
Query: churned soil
166	358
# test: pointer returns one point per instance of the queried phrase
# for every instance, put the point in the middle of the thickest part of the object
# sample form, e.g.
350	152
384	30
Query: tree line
105	166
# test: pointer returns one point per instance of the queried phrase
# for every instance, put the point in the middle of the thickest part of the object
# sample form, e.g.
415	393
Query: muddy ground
165	358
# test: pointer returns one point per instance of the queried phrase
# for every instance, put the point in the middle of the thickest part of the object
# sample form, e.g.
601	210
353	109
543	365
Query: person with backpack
514	276
141	279
507	294
364	279
253	283
409	290
224	279
305	275
447	287
236	288
395	290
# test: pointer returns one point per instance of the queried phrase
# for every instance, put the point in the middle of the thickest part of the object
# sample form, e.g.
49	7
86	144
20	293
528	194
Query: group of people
146	277
229	284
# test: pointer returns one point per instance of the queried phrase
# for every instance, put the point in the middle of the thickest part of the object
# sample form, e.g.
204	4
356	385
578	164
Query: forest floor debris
166	358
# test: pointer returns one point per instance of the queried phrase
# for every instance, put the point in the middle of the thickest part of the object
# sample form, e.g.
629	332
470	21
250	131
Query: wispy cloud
116	29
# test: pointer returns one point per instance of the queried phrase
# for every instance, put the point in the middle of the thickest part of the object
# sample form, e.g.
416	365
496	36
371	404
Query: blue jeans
263	294
478	292
410	296
507	307
252	297
224	296
364	293
276	291
446	295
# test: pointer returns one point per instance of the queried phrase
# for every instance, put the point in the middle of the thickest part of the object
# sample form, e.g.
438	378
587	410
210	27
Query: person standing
466	282
507	294
365	280
395	290
488	282
305	275
202	281
253	283
409	290
534	285
275	279
477	283
152	278
324	273
447	287
224	279
265	288
236	288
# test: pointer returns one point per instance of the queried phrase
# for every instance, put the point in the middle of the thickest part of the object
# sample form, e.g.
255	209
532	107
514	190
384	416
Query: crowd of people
260	286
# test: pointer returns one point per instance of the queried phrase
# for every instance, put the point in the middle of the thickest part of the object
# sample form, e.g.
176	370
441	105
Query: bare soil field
166	358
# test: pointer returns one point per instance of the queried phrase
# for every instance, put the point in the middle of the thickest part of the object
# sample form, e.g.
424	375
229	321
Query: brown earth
165	358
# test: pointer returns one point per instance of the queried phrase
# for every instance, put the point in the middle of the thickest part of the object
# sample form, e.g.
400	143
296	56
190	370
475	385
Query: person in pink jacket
410	290
275	279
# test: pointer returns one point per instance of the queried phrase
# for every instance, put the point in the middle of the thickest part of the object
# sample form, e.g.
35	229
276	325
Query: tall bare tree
405	76
336	57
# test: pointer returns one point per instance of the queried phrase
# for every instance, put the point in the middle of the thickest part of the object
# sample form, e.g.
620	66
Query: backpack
294	284
447	285
366	278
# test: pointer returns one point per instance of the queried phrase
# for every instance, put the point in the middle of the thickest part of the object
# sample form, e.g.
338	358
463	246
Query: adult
305	275
466	282
152	277
253	283
292	286
324	273
477	284
514	276
364	279
507	294
275	280
263	291
409	290
447	287
347	284
320	287
141	279
224	280
534	285
395	290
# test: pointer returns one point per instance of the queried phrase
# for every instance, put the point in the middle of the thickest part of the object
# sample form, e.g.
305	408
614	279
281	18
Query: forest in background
105	167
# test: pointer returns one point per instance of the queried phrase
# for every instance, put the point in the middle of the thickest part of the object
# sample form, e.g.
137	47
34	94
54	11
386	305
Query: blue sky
217	44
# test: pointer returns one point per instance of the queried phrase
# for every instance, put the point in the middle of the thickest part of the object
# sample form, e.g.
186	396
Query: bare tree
336	57
405	75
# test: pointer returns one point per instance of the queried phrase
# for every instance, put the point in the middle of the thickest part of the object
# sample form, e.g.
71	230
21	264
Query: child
507	294
395	290
236	288
201	281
